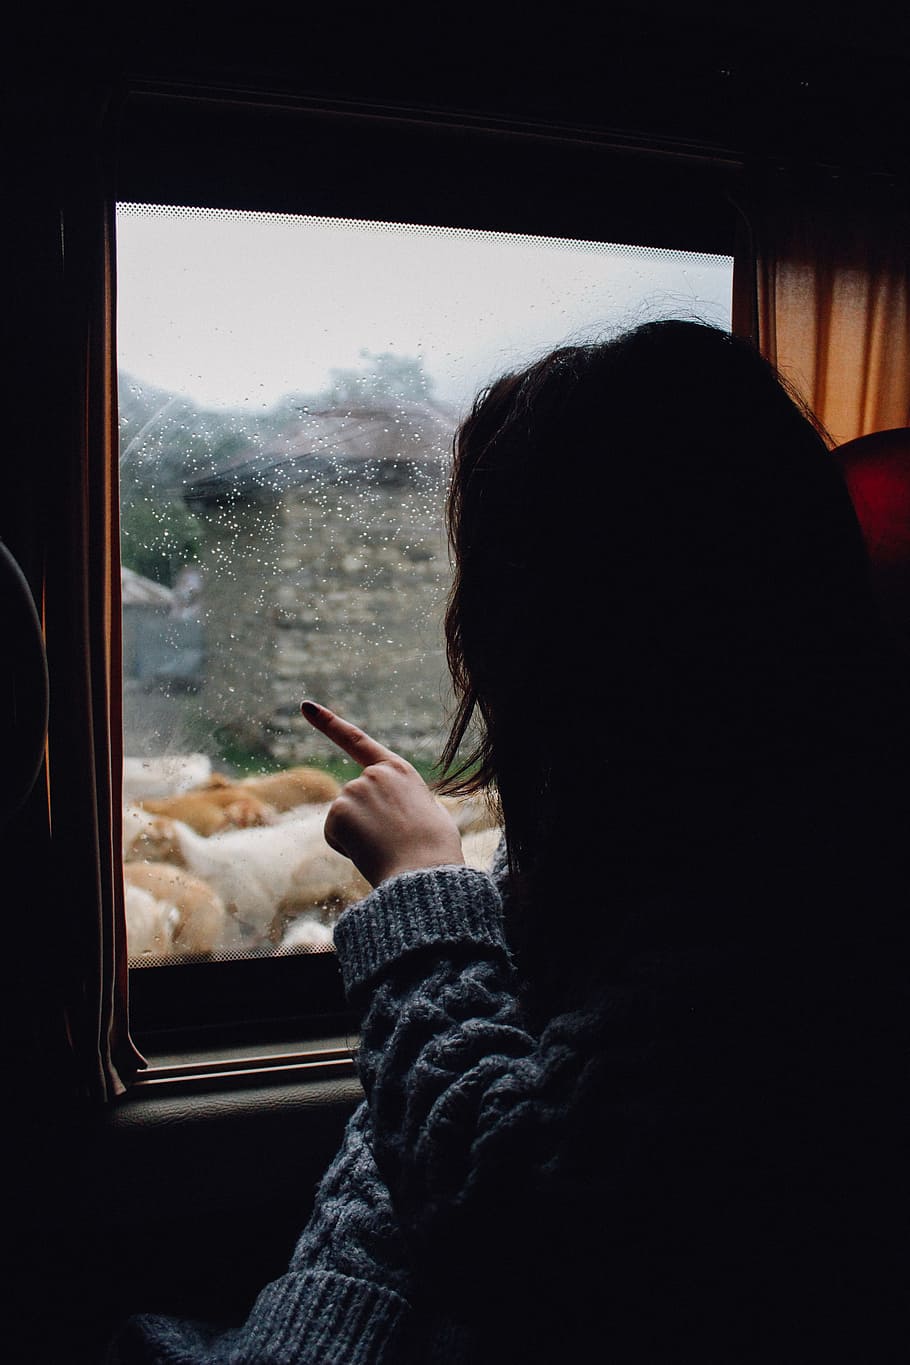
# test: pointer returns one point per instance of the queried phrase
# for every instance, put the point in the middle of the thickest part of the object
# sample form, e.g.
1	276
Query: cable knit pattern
454	906
494	1141
353	1228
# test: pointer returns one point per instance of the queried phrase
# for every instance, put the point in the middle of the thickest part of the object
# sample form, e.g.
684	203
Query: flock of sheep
213	864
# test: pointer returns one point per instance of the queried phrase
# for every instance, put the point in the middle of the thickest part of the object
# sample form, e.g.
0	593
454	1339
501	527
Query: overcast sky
237	309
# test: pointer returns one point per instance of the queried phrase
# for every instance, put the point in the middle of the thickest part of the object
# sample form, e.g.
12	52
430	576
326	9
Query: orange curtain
83	632
823	286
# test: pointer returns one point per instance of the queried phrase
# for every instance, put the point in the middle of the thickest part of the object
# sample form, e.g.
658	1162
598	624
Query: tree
158	538
387	375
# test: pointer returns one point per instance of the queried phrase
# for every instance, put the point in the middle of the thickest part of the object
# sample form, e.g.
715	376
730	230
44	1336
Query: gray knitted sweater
654	1175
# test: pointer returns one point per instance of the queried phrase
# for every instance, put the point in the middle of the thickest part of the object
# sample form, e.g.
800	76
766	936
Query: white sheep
164	776
479	846
307	931
150	923
268	875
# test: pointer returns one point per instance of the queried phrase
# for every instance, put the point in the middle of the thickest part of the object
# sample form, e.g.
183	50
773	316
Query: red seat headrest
877	472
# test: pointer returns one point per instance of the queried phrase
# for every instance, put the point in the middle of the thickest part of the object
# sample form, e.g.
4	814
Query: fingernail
310	709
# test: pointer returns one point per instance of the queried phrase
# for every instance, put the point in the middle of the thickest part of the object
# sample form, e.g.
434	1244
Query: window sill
234	1067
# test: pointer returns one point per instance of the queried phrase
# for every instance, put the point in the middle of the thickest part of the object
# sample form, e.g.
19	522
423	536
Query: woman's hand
386	820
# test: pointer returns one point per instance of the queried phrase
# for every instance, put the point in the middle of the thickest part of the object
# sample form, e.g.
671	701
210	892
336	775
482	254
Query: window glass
289	390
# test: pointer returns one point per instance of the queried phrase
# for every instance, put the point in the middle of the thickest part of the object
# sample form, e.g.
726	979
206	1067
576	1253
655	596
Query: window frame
202	149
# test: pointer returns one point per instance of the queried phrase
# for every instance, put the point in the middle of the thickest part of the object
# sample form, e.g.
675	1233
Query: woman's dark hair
656	563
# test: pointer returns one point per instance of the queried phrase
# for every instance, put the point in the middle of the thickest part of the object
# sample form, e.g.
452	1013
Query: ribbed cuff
441	905
322	1318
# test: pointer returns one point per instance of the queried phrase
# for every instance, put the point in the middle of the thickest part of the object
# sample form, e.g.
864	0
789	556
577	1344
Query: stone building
325	569
144	604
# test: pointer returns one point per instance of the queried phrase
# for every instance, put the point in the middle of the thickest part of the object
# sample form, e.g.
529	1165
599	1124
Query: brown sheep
152	838
222	804
294	787
200	924
213	808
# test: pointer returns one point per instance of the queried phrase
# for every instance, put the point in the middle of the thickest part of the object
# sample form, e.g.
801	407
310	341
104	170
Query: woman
641	1093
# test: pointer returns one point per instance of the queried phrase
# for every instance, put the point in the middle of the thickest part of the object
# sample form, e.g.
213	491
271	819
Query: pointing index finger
357	744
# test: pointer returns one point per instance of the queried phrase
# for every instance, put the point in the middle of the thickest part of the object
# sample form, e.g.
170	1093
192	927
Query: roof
137	591
389	443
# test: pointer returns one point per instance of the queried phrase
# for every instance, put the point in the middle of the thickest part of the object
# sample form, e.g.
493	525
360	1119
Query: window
289	391
307	302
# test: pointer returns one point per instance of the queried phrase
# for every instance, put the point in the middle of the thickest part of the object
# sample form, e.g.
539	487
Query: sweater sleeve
490	1139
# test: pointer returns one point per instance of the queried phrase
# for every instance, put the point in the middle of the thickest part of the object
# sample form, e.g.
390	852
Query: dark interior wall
781	81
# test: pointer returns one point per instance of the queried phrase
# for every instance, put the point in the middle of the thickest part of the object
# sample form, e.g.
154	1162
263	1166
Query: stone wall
334	590
358	612
241	566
